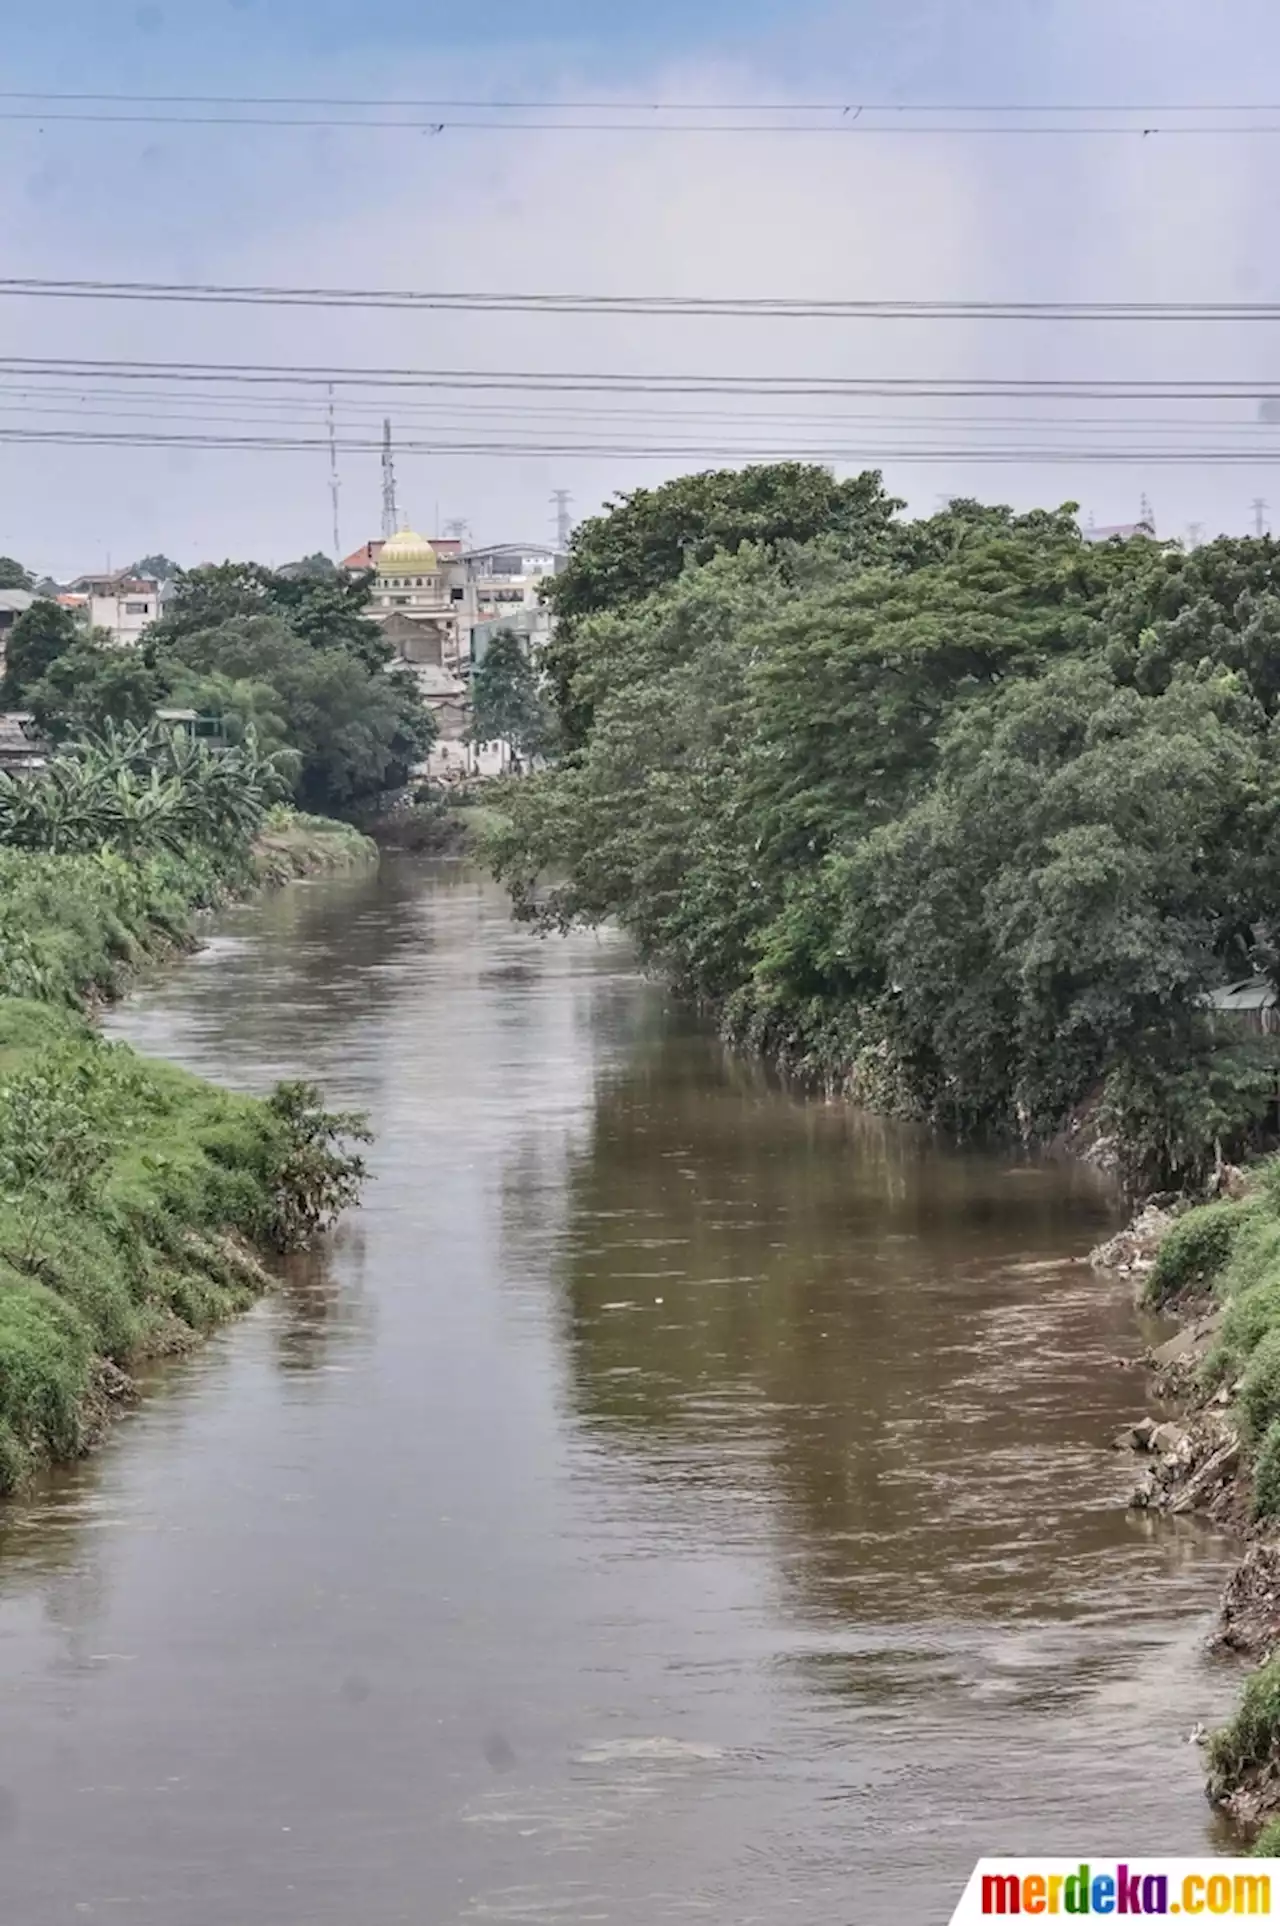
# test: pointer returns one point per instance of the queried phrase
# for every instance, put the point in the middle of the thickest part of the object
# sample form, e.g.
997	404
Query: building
23	750
417	600
533	626
13	603
504	589
123	606
434	589
1118	532
366	558
1250	1004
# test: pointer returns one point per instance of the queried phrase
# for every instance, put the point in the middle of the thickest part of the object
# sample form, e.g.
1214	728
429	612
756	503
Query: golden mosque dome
407	554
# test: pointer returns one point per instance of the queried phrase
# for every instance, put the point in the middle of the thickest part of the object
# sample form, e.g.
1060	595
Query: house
1119	532
532	625
122	605
23	750
1250	1004
13	603
503	589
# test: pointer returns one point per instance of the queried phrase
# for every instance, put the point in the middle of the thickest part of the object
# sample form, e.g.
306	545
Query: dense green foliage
507	702
1194	1252
648	539
292	656
125	1187
355	730
1251	1740
40	635
1266	1475
13	575
139	791
966	814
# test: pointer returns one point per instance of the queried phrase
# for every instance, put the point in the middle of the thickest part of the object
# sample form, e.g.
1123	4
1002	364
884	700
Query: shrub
1266	1475
313	1176
1248	1319
1267	1843
1260	1390
1195	1251
119	1183
1248	1741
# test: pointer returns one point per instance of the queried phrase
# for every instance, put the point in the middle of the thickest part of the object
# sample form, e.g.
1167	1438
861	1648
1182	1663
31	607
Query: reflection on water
668	1499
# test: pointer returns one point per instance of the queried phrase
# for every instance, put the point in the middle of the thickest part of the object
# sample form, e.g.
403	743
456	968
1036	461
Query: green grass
1195	1251
151	1245
1248	1742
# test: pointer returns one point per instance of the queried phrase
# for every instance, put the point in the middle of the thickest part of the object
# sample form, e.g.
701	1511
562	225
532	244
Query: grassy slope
157	1249
148	1256
1232	1250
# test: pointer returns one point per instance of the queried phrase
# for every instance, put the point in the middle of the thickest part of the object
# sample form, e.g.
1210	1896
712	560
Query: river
668	1499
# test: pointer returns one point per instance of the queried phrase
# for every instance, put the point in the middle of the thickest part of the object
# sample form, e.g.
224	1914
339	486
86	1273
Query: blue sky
929	218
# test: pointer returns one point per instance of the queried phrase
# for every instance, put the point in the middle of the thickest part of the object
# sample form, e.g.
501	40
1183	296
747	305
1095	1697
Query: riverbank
136	1203
76	928
1215	1267
436	824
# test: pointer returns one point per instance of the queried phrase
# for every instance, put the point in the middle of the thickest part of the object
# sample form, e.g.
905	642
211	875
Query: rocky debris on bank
1249	1618
1132	1251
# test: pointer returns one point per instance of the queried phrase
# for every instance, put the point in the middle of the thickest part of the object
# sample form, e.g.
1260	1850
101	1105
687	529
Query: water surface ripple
667	1500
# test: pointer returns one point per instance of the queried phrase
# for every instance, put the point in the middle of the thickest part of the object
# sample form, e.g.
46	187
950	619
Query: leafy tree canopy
40	635
155	568
356	731
89	686
13	575
968	813
506	698
649	537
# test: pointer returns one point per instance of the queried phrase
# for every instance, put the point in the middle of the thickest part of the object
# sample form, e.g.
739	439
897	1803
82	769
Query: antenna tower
564	521
1259	508
390	512
1146	514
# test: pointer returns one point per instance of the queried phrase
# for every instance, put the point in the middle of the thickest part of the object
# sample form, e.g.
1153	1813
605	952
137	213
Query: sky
925	217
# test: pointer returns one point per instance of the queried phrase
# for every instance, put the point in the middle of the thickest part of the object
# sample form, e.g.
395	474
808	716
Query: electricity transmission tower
1259	508
390	512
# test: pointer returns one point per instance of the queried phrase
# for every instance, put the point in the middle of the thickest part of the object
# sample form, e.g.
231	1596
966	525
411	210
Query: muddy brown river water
669	1499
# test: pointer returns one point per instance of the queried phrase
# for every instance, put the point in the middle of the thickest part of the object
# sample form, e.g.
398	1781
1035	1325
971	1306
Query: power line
1022	453
850	127
764	307
526	381
659	106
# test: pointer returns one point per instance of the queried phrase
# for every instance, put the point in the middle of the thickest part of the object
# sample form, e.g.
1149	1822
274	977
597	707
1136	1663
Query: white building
122	606
503	589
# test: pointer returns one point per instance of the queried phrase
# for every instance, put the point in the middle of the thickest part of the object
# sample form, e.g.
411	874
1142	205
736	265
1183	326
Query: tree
506	698
40	635
90	685
206	597
645	540
155	568
970	820
357	731
312	568
13	575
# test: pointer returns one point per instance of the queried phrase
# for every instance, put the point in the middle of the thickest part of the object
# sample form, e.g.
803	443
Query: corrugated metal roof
1251	993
